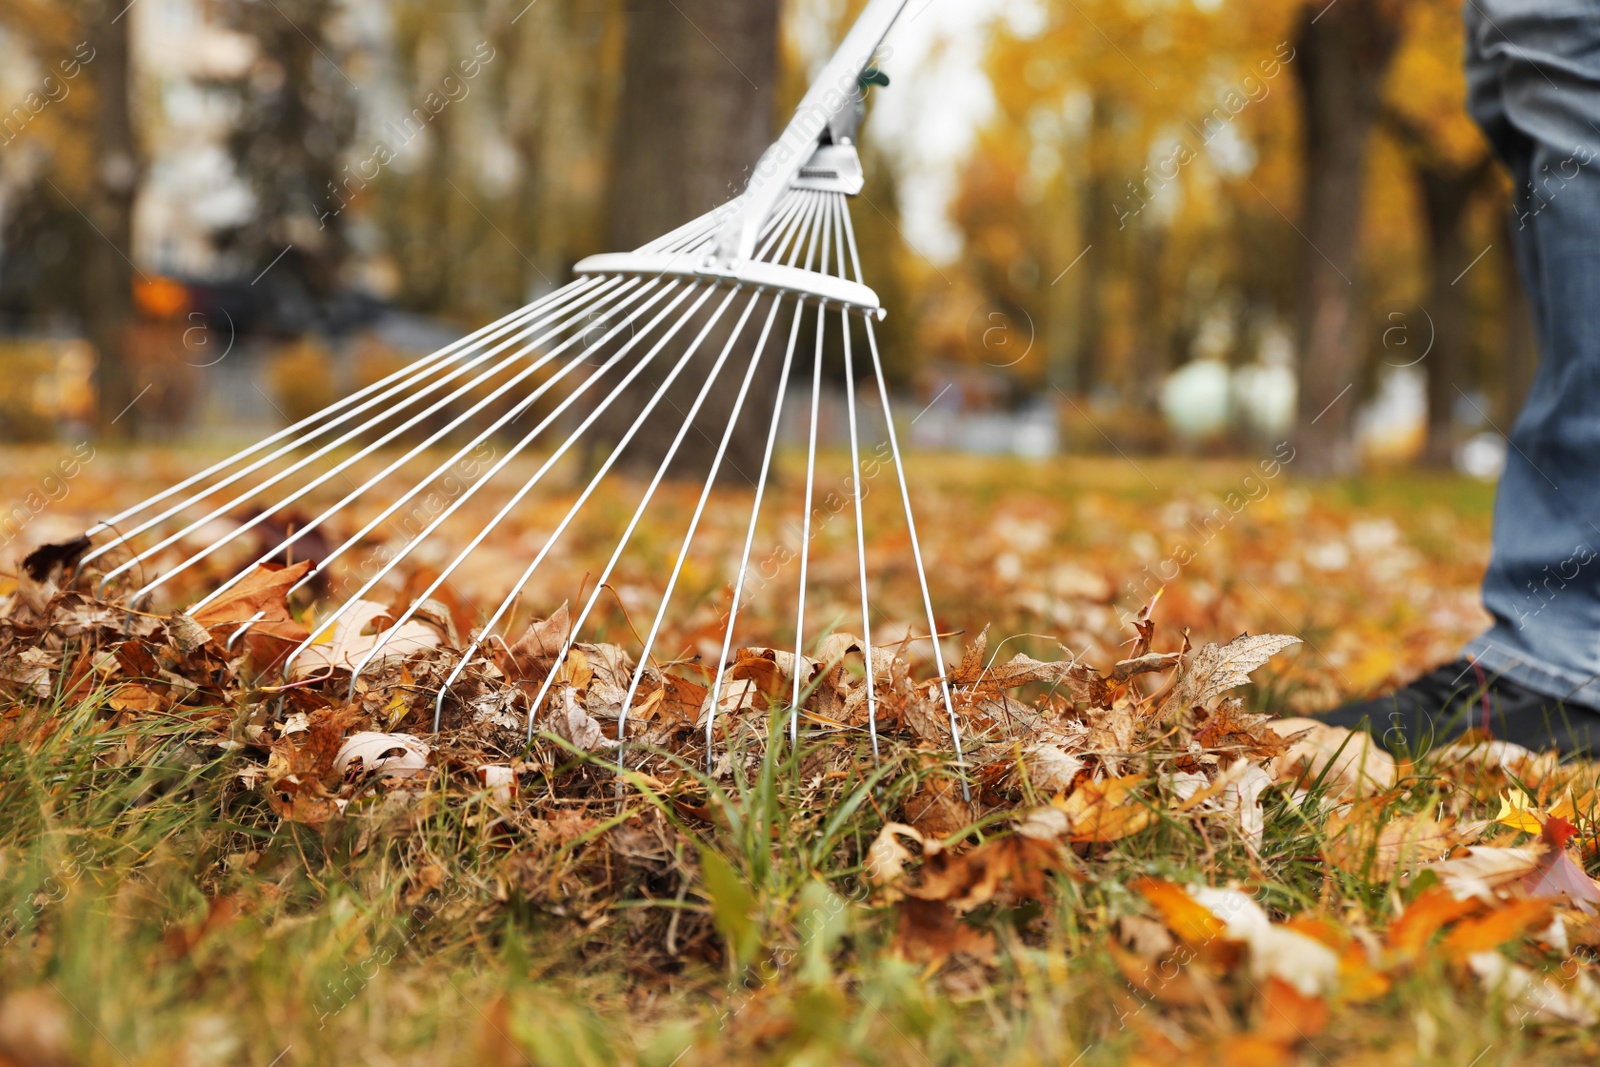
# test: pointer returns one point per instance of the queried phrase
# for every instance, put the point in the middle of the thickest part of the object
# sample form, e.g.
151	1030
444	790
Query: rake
787	243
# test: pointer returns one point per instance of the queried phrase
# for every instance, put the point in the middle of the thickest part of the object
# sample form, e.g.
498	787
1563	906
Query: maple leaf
1216	669
1557	875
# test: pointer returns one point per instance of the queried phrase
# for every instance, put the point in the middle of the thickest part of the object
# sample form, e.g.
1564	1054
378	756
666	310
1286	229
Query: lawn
193	869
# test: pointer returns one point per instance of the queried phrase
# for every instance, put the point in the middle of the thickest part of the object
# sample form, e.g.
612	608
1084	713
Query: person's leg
1535	88
1533	74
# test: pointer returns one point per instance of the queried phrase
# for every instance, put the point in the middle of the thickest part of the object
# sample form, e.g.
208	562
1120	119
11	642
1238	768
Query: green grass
160	913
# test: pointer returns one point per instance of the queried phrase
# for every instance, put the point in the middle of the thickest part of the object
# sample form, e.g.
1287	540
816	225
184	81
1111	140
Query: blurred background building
1099	224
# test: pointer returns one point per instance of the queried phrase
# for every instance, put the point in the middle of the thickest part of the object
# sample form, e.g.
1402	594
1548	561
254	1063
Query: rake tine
861	544
699	509
510	416
383	639
811	482
761	486
411	398
801	212
325	624
661	471
418	369
916	555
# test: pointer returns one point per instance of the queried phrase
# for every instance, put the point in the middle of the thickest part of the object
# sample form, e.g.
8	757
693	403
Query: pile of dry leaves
1071	758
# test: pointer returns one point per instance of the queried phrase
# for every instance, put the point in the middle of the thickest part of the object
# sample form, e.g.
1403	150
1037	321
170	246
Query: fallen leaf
1106	810
348	646
1484	868
1216	669
1505	922
930	932
1306	964
1193	922
392	755
1360	843
1557	874
887	858
1349	763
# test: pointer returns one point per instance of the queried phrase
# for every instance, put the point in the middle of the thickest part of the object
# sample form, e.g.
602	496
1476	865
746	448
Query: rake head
478	427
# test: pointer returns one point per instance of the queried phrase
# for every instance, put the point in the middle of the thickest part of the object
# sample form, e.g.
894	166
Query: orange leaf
1506	923
1287	1015
1192	921
1425	917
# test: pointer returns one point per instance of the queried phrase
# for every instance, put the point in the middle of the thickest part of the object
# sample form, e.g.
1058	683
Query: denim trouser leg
1533	72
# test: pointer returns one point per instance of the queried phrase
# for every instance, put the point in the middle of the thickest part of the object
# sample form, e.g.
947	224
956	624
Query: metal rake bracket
534	381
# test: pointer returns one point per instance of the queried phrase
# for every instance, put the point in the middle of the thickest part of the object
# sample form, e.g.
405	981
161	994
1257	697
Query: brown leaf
1355	766
930	932
1006	869
1231	729
535	652
1355	841
264	590
1215	670
887	858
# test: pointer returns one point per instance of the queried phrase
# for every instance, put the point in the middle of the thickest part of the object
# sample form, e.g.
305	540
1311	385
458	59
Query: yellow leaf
1518	812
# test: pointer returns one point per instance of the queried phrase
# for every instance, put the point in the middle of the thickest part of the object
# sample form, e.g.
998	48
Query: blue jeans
1533	74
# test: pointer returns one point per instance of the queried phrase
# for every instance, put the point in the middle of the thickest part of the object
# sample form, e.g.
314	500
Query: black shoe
1450	700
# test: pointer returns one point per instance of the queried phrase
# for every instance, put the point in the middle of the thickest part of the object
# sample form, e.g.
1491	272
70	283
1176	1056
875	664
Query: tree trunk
1447	192
1342	53
108	271
696	113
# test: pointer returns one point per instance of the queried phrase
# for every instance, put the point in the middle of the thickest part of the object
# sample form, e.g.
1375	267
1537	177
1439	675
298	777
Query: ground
167	901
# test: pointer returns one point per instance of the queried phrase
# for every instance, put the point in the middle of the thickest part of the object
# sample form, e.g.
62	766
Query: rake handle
831	96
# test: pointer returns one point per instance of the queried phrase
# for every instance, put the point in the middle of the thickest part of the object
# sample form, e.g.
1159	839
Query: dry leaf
887	858
1215	670
1349	763
348	646
394	755
1107	810
1484	868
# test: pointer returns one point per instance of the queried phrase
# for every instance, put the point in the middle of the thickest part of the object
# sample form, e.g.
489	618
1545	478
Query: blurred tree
1344	51
1451	165
82	162
496	149
696	112
295	120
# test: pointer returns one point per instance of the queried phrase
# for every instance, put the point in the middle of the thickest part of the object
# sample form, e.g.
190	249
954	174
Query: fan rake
779	258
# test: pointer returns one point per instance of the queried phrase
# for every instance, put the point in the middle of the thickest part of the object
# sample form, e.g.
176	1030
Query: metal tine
660	393
804	207
911	529
328	622
439	471
482	435
694	524
688	235
811	482
855	486
248	494
572	438
649	493
386	402
755	509
400	378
